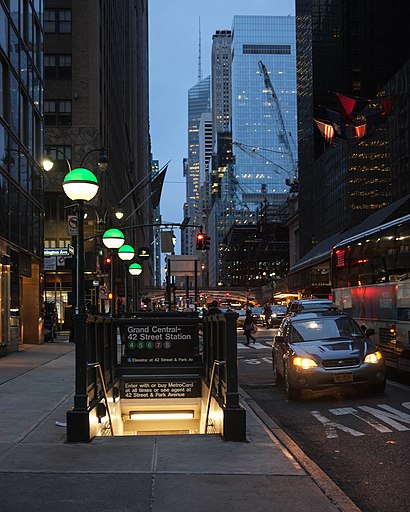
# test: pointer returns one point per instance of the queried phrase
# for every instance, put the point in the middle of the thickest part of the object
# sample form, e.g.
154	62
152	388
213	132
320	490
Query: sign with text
161	343
188	388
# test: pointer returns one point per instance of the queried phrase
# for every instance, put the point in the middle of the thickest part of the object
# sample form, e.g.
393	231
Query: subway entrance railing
160	373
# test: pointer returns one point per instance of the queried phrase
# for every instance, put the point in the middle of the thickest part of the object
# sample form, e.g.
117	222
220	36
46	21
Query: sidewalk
40	472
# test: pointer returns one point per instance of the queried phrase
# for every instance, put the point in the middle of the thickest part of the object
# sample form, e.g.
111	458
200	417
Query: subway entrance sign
159	344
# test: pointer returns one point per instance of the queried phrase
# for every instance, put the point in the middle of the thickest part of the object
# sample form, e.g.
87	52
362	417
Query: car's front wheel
292	393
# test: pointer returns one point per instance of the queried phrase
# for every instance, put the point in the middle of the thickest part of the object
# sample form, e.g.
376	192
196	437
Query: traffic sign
72	225
61	261
143	253
103	292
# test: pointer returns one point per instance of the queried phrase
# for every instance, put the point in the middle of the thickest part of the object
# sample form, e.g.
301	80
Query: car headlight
274	315
304	362
374	357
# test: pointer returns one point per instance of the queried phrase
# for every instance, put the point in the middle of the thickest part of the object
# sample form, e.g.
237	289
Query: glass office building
21	208
264	126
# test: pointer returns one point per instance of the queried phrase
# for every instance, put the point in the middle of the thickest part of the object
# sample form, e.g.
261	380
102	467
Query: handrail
208	404
98	365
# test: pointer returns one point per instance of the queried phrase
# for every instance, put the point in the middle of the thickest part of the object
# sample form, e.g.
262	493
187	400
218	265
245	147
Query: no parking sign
72	225
103	292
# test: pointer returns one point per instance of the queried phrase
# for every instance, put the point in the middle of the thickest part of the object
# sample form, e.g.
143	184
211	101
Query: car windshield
316	305
279	309
324	328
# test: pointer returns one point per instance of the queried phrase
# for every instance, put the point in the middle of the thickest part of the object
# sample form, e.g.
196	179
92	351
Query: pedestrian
214	310
267	312
249	327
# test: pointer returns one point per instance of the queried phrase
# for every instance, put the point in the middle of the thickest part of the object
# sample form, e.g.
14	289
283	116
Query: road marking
351	410
331	426
256	346
389	416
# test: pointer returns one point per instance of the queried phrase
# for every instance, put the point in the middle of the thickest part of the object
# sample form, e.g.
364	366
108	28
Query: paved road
360	440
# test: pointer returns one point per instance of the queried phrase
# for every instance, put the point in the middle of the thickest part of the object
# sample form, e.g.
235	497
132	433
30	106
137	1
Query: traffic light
107	265
206	244
200	238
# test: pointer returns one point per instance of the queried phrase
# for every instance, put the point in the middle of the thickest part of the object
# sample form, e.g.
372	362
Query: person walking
249	327
268	316
214	309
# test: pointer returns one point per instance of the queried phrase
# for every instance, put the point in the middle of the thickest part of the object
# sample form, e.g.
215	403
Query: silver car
325	349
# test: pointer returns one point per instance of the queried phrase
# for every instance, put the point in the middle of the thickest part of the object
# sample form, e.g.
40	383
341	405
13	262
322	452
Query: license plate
343	377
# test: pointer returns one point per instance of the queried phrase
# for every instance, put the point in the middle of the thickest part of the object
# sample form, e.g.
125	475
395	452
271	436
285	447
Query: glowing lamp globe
135	269
80	185
113	238
126	252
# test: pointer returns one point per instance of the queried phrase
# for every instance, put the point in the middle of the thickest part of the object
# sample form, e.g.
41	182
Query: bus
371	281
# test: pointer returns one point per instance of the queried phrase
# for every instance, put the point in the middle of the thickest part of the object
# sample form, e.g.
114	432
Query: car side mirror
279	339
370	332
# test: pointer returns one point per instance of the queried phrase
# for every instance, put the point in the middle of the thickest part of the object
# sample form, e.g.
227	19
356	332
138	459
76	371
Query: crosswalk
254	346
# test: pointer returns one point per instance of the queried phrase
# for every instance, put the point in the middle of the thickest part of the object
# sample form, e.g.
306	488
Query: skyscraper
263	126
198	103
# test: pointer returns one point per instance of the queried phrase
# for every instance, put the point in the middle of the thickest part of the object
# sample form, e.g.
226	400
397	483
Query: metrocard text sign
161	343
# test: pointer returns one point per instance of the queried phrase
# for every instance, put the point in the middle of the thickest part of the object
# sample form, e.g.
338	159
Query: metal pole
112	285
137	285
80	321
126	286
196	283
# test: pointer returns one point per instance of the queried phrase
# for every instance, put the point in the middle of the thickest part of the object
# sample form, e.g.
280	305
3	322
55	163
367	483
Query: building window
57	67
275	49
57	112
57	21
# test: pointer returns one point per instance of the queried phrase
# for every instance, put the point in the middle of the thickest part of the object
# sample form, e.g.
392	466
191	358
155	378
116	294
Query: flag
326	130
347	105
360	131
156	187
387	103
338	125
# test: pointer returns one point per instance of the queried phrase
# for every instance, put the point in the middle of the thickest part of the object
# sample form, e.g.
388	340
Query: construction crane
252	151
282	133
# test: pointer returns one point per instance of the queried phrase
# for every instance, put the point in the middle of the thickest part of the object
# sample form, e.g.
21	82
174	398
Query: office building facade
353	51
21	179
96	96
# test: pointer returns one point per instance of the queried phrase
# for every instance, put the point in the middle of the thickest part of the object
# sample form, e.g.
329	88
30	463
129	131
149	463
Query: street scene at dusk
204	255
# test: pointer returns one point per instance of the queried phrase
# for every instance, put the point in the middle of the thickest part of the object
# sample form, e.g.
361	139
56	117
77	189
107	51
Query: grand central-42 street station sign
159	344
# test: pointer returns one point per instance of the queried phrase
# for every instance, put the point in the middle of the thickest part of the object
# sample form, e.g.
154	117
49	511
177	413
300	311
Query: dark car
306	305
257	315
278	314
325	349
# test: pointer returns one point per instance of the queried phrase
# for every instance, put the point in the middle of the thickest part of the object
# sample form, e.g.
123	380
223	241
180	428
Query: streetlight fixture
135	269
113	239
80	185
126	253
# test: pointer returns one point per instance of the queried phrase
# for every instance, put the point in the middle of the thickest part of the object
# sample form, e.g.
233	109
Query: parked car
325	349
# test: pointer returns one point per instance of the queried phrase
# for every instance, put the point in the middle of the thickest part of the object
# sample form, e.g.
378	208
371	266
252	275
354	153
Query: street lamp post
126	253
113	239
135	269
80	185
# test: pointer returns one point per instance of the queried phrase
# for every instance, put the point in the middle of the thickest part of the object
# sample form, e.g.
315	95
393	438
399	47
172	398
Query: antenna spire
199	53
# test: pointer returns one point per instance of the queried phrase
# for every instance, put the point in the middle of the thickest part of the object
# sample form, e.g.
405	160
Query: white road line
341	411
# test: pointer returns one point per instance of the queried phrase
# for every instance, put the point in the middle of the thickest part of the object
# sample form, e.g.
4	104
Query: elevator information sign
161	343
